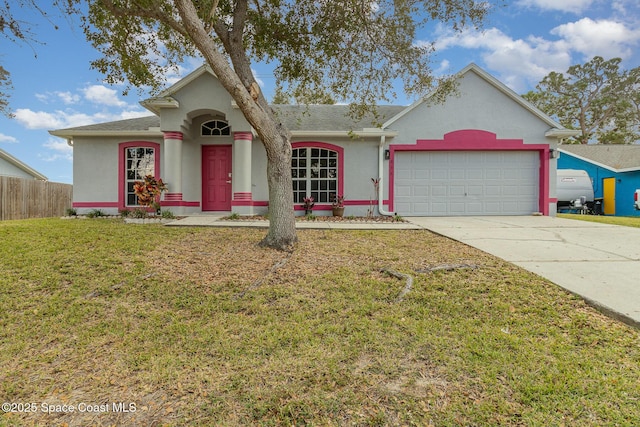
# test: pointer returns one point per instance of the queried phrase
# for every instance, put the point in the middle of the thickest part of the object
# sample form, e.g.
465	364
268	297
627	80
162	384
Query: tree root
447	267
407	286
259	282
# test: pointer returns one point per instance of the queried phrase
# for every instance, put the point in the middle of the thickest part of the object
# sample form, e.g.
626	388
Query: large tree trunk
282	224
242	87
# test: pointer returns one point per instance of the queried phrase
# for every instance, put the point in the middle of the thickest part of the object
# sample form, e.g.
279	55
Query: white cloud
103	95
65	119
574	6
38	119
605	38
8	139
65	97
521	62
258	79
59	149
42	97
68	97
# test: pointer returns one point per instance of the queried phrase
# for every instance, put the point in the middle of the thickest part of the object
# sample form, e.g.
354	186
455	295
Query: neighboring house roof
617	158
22	166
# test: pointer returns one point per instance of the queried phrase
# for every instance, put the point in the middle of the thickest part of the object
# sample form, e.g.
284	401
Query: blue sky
522	42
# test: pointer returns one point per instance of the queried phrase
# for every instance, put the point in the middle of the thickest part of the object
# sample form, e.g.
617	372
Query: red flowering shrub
148	190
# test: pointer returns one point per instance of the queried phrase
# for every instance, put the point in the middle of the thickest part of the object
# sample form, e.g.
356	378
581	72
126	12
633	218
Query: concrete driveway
599	262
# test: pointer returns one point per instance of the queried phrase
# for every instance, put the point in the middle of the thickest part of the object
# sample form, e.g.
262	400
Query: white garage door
456	183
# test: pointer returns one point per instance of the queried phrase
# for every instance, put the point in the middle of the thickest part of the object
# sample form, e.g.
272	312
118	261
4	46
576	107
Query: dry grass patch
203	327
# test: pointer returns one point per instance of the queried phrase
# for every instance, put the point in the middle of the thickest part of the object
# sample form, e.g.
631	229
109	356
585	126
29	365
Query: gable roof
301	120
331	117
22	166
557	129
143	126
298	119
165	98
617	158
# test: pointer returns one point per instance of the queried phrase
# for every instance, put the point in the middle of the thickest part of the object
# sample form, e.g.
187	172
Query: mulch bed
313	218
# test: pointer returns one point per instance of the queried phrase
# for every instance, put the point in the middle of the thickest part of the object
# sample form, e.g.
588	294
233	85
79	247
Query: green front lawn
200	327
627	221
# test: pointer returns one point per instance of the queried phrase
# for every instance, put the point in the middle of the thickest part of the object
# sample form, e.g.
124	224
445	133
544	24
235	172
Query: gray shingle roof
295	117
137	124
331	117
614	156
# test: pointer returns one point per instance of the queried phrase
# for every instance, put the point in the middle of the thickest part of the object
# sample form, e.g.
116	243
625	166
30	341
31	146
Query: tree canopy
15	30
597	98
349	50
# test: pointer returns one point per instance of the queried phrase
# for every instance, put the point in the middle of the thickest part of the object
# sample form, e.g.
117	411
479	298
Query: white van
574	185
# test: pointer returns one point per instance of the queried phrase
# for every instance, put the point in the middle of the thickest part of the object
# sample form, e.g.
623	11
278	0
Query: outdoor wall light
387	154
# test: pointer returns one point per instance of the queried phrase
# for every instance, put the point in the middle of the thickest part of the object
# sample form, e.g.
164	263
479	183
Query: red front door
216	177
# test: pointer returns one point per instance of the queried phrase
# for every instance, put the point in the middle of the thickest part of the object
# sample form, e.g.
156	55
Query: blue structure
614	171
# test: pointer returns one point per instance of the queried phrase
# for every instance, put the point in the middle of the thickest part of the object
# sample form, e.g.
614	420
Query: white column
241	176
172	173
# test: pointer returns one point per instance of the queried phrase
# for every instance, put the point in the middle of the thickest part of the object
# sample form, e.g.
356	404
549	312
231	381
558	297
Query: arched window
216	128
316	173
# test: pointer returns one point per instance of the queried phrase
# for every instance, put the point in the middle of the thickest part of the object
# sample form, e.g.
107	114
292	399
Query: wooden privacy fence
22	198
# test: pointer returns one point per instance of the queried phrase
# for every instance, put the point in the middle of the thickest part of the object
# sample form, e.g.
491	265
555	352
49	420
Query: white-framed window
140	162
315	174
216	128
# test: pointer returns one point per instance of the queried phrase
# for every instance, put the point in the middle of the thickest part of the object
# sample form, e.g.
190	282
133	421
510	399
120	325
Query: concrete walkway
599	262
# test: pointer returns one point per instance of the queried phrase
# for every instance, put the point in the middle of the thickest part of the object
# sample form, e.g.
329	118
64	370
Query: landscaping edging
147	220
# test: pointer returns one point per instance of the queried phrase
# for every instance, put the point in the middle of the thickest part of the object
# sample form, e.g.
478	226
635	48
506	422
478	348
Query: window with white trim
315	174
140	162
216	128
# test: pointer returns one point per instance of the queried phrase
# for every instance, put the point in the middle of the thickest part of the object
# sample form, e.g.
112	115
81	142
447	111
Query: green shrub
139	213
167	214
95	213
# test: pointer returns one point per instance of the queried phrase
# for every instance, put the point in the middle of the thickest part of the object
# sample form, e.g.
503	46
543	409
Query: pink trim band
478	140
179	203
174	135
241	196
95	205
242	136
172	197
248	203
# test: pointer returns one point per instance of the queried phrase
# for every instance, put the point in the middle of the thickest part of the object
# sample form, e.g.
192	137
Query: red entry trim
477	140
122	166
327	146
203	149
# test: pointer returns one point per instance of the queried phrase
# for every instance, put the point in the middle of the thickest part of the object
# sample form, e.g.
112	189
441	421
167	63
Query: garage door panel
466	183
475	190
439	190
421	190
457	174
457	190
404	174
438	175
404	191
